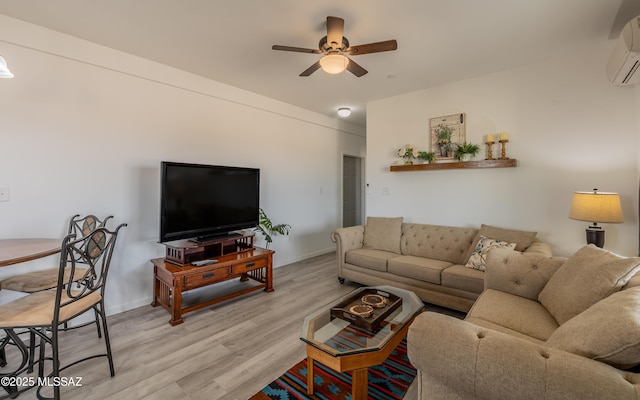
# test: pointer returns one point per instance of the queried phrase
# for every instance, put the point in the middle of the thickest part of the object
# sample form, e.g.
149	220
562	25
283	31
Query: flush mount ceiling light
4	70
344	112
334	63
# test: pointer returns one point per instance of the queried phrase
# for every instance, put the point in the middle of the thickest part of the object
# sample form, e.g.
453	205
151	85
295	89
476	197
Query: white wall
568	127
83	129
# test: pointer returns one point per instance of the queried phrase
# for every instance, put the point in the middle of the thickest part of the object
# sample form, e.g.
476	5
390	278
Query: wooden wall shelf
457	165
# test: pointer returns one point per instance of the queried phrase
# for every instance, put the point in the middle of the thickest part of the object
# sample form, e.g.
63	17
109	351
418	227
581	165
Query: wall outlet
4	193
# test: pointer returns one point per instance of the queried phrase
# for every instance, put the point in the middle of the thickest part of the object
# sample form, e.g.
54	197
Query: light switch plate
4	193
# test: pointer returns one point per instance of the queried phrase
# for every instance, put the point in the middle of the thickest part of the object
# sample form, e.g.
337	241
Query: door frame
362	187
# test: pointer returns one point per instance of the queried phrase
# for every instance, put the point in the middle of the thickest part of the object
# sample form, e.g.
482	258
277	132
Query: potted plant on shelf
427	156
444	134
465	151
408	153
268	229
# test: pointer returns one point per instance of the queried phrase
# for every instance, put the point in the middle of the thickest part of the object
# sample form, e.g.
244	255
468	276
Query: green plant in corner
268	229
466	150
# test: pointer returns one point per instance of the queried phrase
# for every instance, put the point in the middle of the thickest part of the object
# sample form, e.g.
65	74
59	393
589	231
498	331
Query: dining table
15	251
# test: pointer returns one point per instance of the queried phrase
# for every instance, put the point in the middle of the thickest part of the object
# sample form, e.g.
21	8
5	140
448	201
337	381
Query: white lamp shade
4	70
596	207
334	63
344	111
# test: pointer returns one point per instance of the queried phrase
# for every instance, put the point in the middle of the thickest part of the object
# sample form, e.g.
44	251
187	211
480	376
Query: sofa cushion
512	314
446	243
588	276
369	258
522	274
462	278
522	239
420	268
478	258
608	331
383	234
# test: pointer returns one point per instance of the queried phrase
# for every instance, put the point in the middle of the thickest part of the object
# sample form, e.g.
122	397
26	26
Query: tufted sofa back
446	243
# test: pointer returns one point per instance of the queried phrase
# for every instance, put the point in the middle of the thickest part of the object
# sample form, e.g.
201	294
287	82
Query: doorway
352	191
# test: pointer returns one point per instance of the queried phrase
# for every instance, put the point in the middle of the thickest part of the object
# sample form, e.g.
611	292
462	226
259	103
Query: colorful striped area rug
387	381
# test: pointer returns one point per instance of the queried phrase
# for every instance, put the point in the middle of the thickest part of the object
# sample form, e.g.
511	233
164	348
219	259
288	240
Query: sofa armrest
459	360
538	247
347	239
522	274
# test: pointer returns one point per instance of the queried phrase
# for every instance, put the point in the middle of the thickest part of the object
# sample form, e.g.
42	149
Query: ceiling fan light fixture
334	63
344	112
4	69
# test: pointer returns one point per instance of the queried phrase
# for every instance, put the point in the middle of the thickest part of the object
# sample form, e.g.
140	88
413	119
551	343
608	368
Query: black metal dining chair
37	281
44	312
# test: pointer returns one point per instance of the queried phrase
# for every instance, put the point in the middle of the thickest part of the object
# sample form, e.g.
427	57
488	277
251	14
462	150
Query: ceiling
439	41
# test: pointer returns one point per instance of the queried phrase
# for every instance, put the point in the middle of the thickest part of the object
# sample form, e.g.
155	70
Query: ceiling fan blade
296	49
311	69
356	69
377	47
335	29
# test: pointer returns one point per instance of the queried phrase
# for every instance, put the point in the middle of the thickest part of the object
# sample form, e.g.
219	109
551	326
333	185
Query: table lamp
596	207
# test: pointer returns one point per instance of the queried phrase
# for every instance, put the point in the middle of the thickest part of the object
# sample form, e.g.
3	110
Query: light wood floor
228	351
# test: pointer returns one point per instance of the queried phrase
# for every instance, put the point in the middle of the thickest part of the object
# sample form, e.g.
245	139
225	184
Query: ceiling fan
335	48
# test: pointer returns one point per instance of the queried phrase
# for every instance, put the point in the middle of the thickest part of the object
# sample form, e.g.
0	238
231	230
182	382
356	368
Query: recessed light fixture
344	112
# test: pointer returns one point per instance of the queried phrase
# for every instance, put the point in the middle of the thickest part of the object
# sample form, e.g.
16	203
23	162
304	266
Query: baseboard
120	308
306	256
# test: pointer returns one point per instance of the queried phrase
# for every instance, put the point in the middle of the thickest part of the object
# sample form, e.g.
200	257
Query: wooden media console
224	259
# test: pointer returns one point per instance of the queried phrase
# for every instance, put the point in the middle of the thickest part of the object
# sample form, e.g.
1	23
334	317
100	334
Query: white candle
503	135
489	138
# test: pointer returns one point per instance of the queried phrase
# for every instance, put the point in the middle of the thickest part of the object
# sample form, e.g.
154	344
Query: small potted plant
465	151
426	156
408	153
269	229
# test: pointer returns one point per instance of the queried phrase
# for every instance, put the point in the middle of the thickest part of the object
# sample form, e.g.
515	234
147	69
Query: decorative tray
367	309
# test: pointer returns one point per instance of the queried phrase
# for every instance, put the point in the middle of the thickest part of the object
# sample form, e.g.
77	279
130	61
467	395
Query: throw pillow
522	239
588	276
608	331
383	234
478	259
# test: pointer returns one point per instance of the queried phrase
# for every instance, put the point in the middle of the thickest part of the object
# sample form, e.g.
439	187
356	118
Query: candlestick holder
489	150
503	152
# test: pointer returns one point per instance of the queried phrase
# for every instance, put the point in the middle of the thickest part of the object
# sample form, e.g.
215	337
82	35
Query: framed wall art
446	132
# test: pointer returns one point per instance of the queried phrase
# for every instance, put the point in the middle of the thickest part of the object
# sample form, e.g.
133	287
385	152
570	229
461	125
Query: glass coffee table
344	343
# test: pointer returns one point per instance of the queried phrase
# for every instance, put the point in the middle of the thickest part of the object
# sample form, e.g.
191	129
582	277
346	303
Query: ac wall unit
624	62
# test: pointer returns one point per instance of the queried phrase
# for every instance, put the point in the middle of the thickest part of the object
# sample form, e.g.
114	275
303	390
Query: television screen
202	201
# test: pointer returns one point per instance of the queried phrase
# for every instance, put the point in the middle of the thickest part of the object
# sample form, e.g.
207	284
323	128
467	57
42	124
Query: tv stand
172	281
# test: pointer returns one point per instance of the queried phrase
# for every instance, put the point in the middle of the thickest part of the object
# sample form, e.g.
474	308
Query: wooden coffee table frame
358	363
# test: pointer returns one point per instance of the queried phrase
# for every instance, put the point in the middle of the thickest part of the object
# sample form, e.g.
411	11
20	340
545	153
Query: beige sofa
429	260
544	328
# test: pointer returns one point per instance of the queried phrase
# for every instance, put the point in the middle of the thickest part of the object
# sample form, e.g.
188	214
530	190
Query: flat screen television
200	202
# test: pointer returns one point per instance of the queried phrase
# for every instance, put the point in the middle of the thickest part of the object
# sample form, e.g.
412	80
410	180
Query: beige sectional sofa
544	328
430	260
